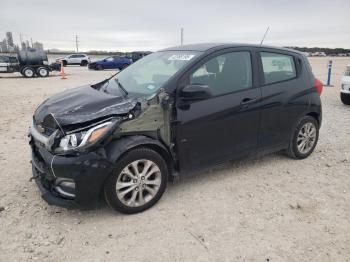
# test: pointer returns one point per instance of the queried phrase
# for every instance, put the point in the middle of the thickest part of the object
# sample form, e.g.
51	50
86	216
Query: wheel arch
314	114
317	116
117	148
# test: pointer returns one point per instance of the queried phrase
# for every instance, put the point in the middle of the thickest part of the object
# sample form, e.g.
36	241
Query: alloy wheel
306	138
138	183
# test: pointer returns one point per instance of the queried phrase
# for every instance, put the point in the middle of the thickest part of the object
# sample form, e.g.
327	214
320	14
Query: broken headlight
84	138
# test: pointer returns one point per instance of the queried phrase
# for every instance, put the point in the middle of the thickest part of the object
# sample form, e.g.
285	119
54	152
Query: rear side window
277	67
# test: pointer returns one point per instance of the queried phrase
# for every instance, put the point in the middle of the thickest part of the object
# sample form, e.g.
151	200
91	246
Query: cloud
155	24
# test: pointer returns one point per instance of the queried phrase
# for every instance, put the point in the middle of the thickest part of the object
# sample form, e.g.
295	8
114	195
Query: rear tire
137	182
345	98
28	72
42	72
83	63
64	62
304	138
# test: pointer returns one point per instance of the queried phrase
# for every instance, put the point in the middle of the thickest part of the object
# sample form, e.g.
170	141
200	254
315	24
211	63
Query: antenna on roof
262	40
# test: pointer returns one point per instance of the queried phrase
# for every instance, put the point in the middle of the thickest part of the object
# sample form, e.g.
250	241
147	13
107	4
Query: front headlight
84	138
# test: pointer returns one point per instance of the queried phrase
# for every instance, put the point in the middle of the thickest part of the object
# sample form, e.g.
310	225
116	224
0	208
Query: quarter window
225	73
277	67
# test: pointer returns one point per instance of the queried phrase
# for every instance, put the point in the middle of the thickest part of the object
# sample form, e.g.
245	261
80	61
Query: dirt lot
268	209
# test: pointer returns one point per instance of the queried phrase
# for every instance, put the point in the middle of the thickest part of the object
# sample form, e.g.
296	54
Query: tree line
327	51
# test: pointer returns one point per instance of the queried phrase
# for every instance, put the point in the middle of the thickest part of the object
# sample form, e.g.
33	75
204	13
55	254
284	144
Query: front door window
225	73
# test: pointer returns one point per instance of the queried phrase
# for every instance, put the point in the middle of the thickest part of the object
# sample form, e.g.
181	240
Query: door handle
247	101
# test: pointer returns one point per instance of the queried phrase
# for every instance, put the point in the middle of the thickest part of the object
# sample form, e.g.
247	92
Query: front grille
45	182
39	162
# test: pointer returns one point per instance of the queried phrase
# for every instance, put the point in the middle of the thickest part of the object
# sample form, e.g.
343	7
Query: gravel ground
267	209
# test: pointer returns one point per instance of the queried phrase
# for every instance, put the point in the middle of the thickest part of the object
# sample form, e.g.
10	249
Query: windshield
148	74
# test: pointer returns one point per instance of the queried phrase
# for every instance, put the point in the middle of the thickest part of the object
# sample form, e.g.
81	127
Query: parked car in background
75	59
318	54
112	62
175	111
345	86
134	56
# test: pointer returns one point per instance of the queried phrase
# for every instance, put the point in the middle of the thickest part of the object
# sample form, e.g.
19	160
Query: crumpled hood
82	104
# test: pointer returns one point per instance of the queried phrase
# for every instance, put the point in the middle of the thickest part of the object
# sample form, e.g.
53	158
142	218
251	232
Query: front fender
116	148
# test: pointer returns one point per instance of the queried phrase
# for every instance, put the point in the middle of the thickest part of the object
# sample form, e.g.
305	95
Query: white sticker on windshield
181	57
150	87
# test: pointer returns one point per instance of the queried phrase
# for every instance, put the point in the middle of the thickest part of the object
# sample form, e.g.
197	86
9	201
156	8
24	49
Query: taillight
319	86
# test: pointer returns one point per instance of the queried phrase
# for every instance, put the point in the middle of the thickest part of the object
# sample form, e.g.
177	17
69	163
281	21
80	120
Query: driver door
108	63
224	126
73	59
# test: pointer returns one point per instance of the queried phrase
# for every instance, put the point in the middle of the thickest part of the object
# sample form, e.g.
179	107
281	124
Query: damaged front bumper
69	180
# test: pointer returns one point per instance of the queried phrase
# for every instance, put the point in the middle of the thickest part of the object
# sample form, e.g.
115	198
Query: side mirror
195	92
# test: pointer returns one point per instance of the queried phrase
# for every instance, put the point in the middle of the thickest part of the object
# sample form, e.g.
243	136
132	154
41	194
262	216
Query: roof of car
202	47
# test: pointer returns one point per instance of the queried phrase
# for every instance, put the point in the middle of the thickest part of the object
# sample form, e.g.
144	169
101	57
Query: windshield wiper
120	86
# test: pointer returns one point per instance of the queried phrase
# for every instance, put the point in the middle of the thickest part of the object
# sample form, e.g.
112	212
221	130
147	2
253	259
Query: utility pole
182	36
76	43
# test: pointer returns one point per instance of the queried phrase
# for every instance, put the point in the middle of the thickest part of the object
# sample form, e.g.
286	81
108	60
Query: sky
155	24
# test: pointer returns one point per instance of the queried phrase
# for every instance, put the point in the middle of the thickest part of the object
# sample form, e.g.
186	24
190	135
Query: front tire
99	67
138	181
83	63
304	138
345	98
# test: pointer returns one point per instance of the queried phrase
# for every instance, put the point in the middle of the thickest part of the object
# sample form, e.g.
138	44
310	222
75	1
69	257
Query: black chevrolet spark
172	112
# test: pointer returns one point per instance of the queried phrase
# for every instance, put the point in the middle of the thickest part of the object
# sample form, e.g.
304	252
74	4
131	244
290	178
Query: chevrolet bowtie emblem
40	129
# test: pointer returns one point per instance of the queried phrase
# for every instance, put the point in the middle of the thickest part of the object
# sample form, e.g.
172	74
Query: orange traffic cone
63	76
